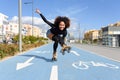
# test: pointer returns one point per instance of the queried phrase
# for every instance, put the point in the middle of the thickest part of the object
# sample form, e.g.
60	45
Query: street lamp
79	33
32	13
20	24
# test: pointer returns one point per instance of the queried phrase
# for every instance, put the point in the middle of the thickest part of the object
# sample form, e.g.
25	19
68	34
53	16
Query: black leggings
55	45
57	39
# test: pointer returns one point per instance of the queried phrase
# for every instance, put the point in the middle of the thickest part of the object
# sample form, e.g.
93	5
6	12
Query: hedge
28	43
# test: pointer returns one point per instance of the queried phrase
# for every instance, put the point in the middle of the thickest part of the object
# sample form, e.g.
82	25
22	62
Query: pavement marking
86	64
42	51
74	52
25	64
54	73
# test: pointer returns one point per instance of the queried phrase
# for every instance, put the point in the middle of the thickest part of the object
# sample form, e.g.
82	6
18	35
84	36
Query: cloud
40	23
28	20
37	21
14	19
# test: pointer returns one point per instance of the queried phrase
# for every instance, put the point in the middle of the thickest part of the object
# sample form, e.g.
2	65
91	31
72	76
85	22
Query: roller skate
54	58
65	48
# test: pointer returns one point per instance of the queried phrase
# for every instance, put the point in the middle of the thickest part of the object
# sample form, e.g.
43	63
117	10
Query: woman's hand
38	11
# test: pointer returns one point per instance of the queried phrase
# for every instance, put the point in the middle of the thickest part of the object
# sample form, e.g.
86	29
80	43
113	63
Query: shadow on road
39	57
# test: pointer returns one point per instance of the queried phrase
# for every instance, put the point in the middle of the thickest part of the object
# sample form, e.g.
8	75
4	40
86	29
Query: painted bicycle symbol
85	65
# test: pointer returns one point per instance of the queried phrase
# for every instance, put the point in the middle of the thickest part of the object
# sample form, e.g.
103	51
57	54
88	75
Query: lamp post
79	33
32	13
20	24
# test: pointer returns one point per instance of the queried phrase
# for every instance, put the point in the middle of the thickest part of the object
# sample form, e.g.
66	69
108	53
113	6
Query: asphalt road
104	51
79	64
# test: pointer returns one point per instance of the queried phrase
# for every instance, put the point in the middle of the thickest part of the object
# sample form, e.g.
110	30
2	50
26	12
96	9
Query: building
36	31
91	35
111	35
95	35
70	37
100	37
3	24
27	29
43	33
3	19
10	29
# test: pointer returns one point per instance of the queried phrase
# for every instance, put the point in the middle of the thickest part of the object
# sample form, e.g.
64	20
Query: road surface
77	65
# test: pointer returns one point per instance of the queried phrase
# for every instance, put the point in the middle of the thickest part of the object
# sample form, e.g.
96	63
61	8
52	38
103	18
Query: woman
57	33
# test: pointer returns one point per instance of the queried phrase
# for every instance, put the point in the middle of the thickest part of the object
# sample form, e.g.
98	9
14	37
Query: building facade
3	24
10	29
91	35
37	31
111	36
3	19
27	30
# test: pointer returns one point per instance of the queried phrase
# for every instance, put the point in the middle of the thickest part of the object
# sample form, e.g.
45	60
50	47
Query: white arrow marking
54	73
74	52
25	64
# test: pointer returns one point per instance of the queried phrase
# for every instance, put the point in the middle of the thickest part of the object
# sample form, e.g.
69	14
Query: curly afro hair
66	20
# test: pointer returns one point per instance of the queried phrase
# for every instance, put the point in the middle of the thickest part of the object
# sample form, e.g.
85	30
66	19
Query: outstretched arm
44	19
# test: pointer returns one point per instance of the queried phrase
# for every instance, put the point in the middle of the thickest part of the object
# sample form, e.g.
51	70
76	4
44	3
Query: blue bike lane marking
88	67
39	70
41	67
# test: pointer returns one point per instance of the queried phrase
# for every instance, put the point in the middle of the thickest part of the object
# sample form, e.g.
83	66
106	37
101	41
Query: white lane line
74	52
54	73
42	51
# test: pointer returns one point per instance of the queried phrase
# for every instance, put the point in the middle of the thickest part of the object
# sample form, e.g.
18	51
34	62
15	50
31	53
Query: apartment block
111	35
91	35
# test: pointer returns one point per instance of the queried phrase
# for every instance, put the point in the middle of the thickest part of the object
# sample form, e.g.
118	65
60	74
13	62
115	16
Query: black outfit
59	35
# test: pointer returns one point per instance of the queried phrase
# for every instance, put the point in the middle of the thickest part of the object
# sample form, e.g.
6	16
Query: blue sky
90	14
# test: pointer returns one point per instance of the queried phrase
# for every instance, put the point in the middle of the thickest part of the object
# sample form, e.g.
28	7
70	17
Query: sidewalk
109	52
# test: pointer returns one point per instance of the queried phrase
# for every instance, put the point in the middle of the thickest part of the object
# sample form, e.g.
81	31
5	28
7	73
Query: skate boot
54	58
68	49
65	48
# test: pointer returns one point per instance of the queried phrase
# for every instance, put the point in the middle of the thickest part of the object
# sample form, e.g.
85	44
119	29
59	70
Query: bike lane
88	66
39	69
76	65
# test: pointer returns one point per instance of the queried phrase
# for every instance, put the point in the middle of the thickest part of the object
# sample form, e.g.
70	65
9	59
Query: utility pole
79	33
32	18
32	2
20	24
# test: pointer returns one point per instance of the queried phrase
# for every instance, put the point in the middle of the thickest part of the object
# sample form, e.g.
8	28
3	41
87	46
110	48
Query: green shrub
16	39
1	54
28	43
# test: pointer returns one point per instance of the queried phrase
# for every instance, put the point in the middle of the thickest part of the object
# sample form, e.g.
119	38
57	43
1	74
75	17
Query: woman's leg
61	41
49	34
55	38
55	45
58	39
64	46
